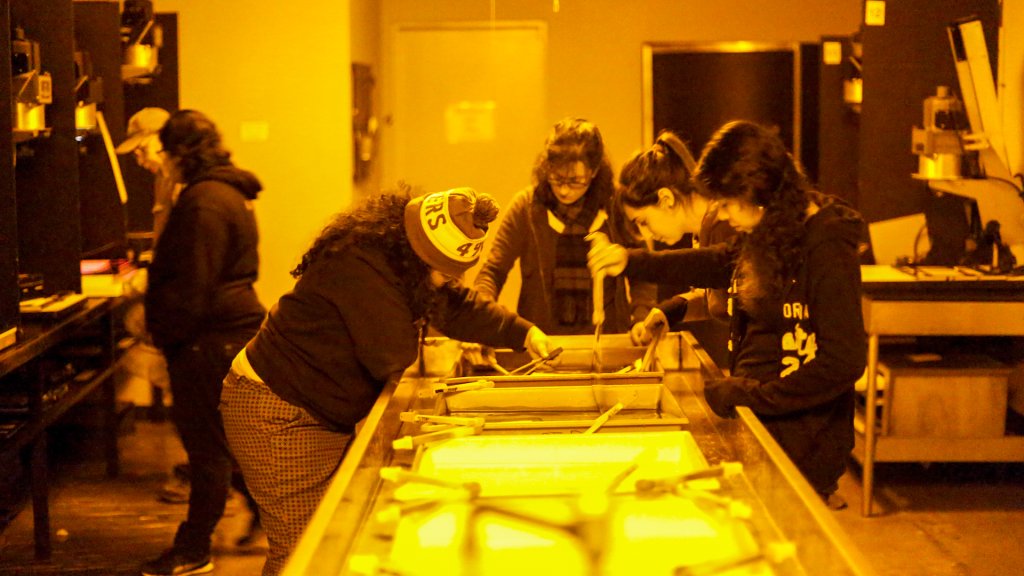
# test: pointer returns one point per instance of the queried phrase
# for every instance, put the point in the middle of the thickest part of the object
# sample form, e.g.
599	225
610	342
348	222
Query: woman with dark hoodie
797	340
367	289
201	309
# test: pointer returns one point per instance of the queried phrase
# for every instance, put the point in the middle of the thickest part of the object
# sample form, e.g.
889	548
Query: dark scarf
577	217
573	302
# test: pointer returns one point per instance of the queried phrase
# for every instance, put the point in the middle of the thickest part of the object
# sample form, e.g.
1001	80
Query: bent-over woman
366	291
797	339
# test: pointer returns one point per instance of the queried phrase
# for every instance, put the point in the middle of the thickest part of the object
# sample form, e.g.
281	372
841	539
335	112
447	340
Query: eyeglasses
576	182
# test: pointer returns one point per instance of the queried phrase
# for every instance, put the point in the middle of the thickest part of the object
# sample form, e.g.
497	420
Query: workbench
931	301
88	333
345	535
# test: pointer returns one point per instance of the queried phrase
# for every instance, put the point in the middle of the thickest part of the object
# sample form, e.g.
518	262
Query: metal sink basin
659	536
617	351
566	504
561	379
648	406
444	357
552	464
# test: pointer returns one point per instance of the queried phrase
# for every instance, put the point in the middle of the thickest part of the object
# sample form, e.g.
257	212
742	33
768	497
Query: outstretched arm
508	246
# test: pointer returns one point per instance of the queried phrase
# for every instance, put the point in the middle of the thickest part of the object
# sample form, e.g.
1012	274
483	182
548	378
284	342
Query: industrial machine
938	145
88	94
141	40
962	151
32	88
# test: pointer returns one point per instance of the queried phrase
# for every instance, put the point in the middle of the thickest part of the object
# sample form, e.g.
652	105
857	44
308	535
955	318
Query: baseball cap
145	122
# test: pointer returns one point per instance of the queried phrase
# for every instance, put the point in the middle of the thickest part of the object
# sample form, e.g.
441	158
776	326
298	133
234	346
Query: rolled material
442	388
529	366
600	420
410	442
415	418
598	239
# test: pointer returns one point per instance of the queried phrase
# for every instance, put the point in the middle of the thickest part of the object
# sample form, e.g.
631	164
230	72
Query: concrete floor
109	527
943	519
939	520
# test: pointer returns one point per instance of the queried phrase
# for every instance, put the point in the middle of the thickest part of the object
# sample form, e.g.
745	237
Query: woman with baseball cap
367	288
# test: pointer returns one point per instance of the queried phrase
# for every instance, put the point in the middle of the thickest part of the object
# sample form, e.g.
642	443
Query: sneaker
174	562
252	534
834	501
175	491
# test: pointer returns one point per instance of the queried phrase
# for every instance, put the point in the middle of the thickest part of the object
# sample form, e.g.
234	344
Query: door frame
735	47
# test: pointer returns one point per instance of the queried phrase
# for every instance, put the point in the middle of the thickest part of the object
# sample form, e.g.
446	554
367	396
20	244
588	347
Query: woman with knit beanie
373	280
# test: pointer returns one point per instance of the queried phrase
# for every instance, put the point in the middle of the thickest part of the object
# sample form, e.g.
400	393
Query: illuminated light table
351	532
566	504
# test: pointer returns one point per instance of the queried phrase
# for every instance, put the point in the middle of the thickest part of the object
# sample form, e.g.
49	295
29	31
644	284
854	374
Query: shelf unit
46	170
26	371
9	293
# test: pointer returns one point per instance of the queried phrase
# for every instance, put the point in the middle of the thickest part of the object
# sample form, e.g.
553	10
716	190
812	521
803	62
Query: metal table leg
869	426
40	497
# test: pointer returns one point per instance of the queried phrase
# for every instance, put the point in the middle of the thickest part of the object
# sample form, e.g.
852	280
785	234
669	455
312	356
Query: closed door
468	109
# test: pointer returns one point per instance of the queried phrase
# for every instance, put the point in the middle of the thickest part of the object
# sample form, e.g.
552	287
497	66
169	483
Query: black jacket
346	328
203	270
794	366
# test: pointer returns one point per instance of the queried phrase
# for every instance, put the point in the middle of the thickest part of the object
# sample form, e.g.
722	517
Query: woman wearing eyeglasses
545	230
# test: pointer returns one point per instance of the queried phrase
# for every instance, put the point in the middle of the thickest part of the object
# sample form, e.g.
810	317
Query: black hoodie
796	365
202	275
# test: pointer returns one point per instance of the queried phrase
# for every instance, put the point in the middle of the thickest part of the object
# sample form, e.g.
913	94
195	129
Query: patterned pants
287	458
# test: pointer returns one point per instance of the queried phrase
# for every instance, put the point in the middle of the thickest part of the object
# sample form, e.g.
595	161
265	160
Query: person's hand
477	354
717	393
643	332
607	258
723	395
536	342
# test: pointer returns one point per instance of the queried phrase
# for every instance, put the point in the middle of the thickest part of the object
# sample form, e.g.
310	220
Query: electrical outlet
874	12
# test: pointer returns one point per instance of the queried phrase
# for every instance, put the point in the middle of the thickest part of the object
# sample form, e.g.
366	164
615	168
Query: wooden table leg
869	427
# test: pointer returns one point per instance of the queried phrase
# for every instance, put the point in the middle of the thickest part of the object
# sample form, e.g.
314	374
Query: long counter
778	523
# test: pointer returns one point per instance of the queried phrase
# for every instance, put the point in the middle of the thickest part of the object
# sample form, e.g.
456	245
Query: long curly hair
378	224
575	140
747	161
192	138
